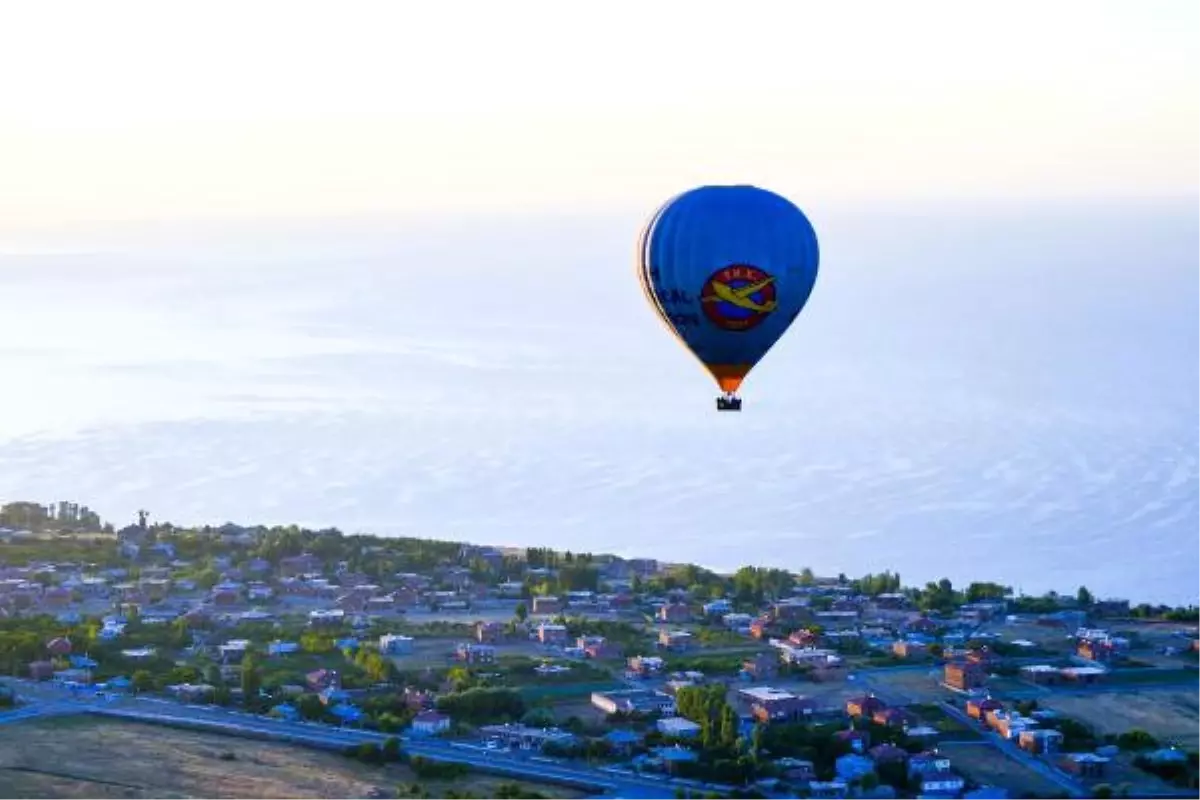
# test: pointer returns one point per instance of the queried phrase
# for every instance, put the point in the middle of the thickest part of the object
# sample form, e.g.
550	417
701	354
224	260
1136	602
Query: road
43	700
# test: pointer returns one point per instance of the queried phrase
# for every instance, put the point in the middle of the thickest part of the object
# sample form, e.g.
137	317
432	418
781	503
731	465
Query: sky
370	265
152	113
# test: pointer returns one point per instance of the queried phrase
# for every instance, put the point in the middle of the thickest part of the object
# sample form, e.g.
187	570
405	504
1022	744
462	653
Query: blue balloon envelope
728	268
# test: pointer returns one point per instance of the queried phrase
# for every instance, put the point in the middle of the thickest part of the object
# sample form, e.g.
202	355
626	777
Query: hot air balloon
728	268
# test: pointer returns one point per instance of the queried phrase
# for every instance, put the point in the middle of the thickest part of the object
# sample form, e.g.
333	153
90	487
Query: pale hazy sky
150	111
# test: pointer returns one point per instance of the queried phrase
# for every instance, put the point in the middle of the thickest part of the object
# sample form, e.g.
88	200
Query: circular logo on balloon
738	297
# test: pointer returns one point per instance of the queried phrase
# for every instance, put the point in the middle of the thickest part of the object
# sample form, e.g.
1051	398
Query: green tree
522	612
251	679
142	680
391	749
1084	597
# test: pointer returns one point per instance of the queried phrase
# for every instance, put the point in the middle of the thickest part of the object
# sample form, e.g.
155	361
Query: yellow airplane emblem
741	297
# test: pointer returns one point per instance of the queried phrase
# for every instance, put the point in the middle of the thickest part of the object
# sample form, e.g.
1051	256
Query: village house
1010	724
864	706
550	633
1041	673
761	667
717	608
737	622
56	597
430	723
60	646
225	594
923	625
527	738
304	564
976	613
964	675
381	603
792	610
322	680
351	602
678	727
674	640
488	632
597	647
1100	651
510	590
643	666
1040	741
326	618
890	601
769	705
803	637
394	645
909	649
1086	765
933	775
281	648
979	708
1083	675
634	701
471	653
674	612
546	605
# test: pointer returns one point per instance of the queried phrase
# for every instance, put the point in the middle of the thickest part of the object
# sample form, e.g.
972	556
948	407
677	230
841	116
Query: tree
522	612
1084	597
142	680
391	749
251	680
1136	739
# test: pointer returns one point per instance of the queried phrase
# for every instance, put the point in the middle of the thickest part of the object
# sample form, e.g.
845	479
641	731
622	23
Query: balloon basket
730	403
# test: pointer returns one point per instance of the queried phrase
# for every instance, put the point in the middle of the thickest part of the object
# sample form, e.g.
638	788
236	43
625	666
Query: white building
679	727
393	644
430	723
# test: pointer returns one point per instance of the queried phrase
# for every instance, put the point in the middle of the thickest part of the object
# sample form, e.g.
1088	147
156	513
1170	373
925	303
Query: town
589	674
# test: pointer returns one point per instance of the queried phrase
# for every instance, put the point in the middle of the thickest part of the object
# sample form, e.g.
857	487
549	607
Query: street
46	699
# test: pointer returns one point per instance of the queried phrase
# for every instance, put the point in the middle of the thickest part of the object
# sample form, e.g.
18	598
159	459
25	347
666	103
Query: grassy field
1164	714
566	691
90	758
988	766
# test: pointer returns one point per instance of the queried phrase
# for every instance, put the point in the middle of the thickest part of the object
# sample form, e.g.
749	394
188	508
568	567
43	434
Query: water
1003	395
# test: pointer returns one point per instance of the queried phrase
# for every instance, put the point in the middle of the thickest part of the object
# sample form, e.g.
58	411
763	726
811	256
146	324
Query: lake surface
1003	395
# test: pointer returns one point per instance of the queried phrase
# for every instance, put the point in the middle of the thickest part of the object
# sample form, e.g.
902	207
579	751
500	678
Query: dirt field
987	766
1050	642
1168	715
901	688
88	758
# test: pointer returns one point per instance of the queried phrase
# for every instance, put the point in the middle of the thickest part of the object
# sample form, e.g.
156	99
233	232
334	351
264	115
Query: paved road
46	700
